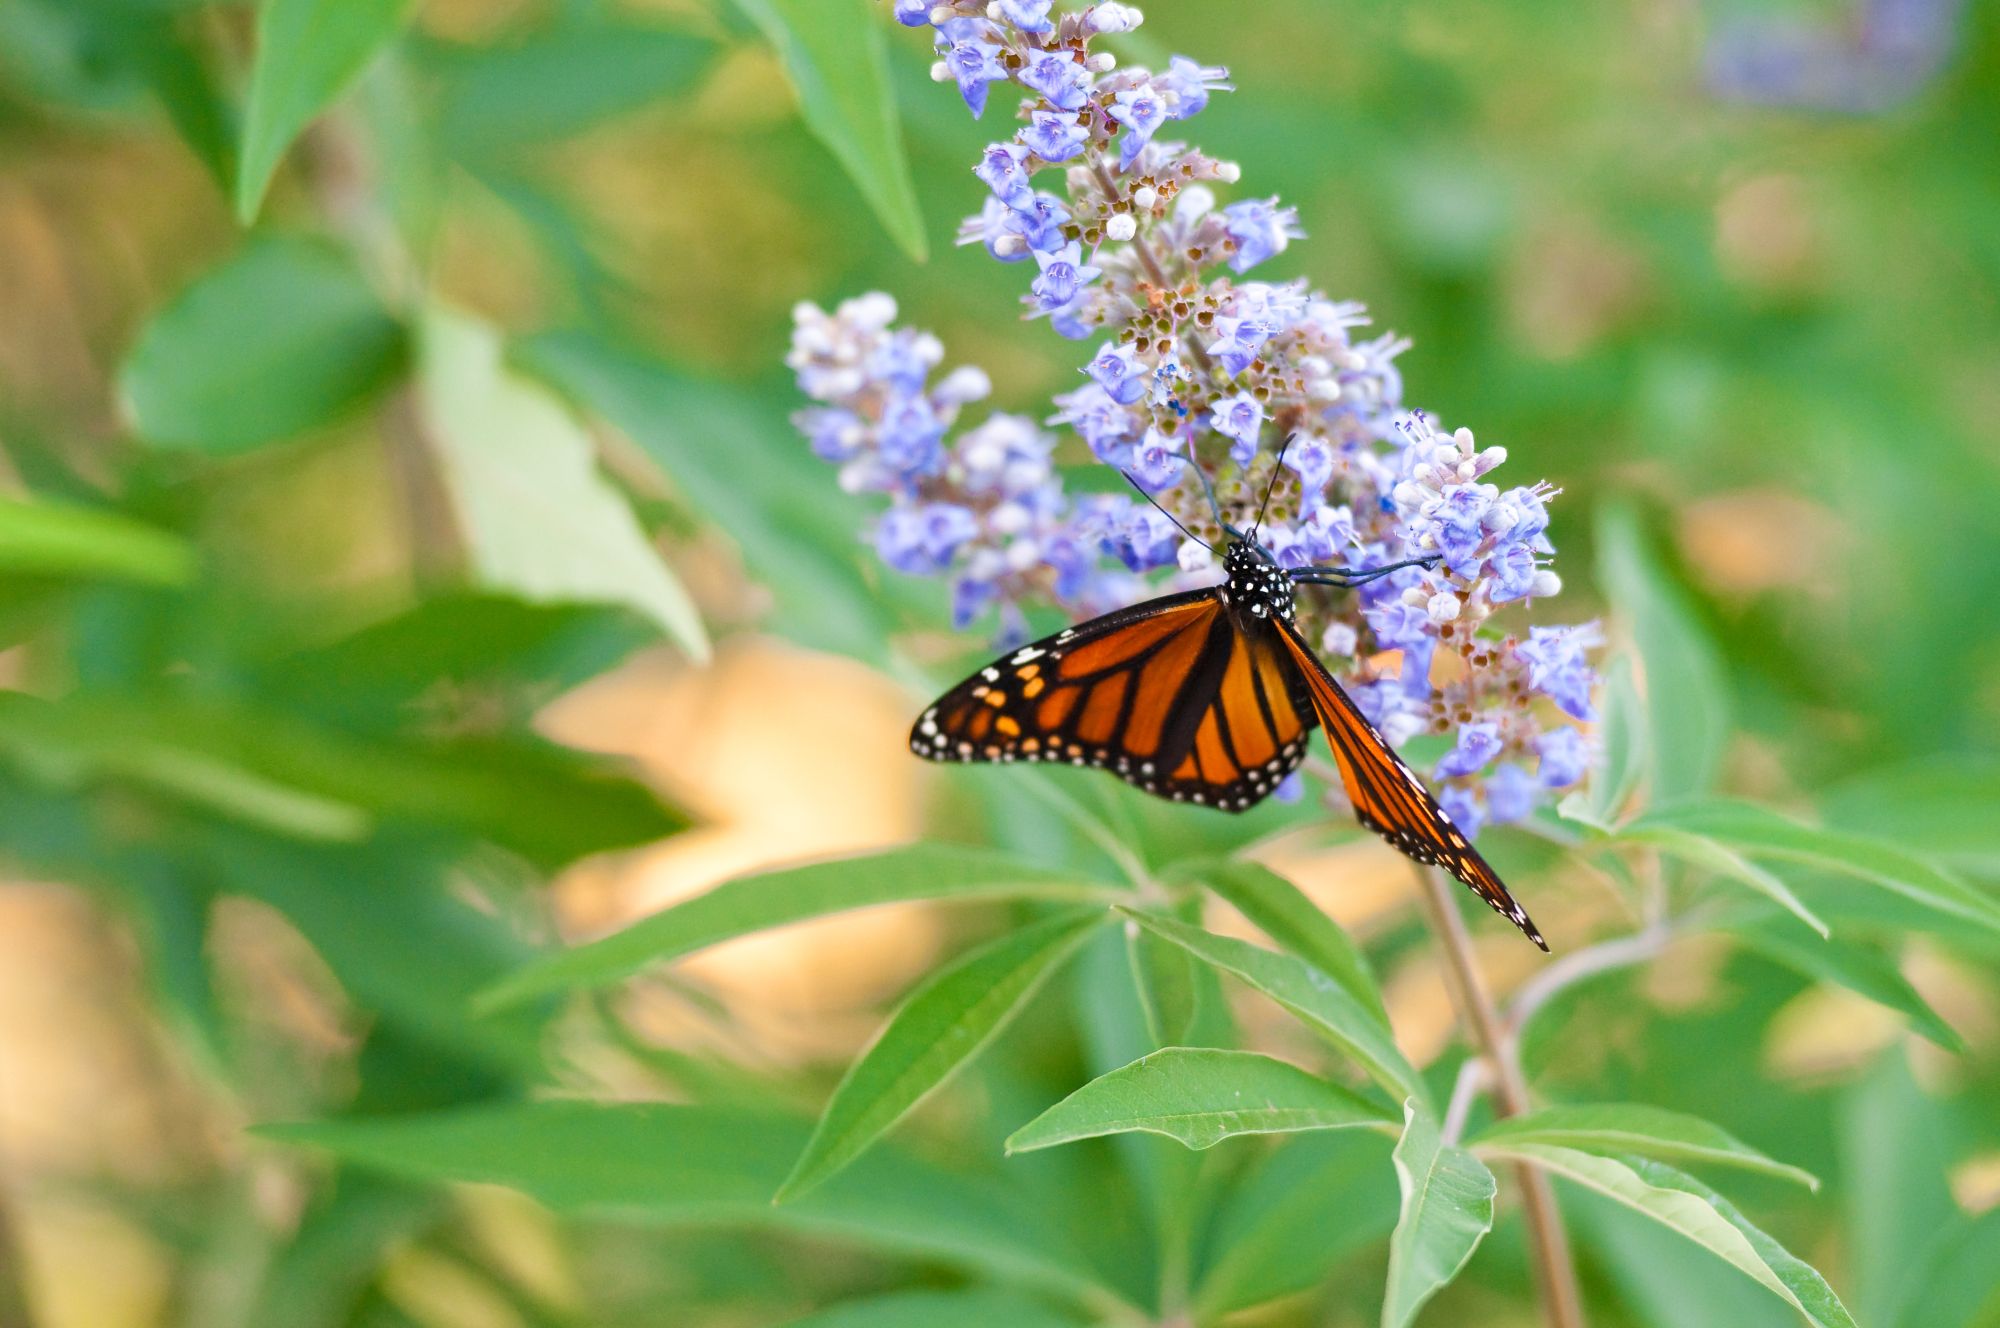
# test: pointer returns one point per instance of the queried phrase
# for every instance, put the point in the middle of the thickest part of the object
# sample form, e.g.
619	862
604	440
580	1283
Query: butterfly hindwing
1171	696
1388	797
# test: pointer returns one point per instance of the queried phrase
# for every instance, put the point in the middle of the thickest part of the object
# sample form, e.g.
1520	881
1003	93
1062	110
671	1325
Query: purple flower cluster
1195	368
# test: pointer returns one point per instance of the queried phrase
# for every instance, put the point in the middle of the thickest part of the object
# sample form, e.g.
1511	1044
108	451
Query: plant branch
1564	973
1154	272
1548	1243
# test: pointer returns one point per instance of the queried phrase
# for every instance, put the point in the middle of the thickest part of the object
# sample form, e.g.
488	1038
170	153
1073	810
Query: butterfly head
1257	585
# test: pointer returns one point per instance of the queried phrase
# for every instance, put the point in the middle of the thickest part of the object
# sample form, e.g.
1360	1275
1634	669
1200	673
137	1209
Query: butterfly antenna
1165	513
1276	467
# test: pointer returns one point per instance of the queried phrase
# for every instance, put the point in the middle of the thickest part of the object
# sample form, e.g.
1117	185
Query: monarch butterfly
1207	696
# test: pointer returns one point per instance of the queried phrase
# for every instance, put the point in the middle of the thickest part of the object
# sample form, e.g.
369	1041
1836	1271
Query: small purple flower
1310	456
1477	745
1064	273
1064	82
835	435
1238	341
1188	85
921	539
998	228
1116	369
1462	806
1106	426
1142	111
1327	535
1168	375
1148	540
1511	574
910	435
1157	462
1039	221
913	13
974	64
1027	15
1054	136
1239	418
1000	166
1261	230
1559	665
1565	757
970	596
1511	793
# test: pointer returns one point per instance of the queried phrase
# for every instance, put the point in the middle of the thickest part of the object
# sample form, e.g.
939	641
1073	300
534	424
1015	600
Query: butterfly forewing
1170	696
1388	797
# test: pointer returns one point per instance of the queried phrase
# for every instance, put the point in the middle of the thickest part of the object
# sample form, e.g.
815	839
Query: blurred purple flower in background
1193	367
1876	55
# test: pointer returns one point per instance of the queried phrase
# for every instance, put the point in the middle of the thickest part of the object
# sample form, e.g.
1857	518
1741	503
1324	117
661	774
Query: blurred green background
315	681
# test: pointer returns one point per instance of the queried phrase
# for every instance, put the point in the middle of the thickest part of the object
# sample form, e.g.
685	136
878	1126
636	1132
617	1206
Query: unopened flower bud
1443	607
1121	226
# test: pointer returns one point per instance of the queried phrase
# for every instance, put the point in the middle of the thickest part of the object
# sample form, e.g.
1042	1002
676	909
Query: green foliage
284	339
836	56
488	401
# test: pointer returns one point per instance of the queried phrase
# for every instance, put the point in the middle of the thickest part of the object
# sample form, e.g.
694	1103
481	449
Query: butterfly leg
1351	576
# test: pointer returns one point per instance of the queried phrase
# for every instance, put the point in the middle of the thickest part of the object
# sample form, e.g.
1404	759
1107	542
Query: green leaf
1759	832
943	1024
1897	1147
974	1307
1163	975
308	51
793	894
1199	1096
1686	690
537	517
1322	1003
1634	1128
1857	967
835	55
795	533
1447	1210
706	1166
1686	1206
1943	805
267	769
53	539
283	338
1701	851
1625	742
1954	1286
583	69
1312	1202
1282	911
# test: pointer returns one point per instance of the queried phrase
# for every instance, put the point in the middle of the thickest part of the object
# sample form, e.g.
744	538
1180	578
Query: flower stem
1548	1243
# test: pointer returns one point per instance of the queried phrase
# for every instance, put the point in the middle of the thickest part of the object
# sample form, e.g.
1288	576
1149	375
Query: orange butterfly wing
1388	797
1170	696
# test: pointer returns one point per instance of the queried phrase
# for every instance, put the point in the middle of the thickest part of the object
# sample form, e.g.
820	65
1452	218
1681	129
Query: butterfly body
1206	696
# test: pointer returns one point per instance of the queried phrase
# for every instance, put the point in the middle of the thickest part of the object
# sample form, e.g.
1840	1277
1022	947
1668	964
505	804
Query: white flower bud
1443	607
1340	639
1112	17
1010	244
1023	554
965	383
942	14
1463	437
1194	203
1546	583
1491	458
1121	226
1145	198
940	72
871	311
1195	556
1416	597
1228	172
1101	62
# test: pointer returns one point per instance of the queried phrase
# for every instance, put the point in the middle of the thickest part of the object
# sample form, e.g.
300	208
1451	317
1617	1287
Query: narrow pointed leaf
706	1167
308	51
1943	803
1633	1128
835	53
1859	968
1686	689
537	518
1447	1210
1762	833
1701	851
764	900
1199	1096
1685	1205
971	1307
941	1025
1321	1002
55	539
1282	911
